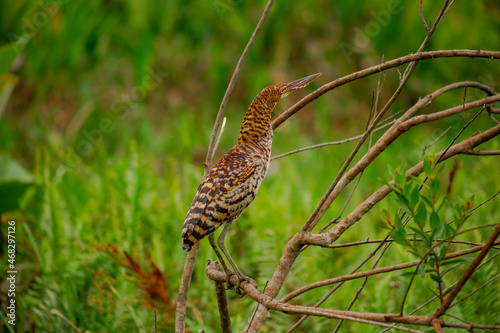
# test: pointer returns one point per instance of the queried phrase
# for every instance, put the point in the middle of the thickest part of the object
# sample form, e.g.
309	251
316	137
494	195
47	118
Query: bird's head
273	94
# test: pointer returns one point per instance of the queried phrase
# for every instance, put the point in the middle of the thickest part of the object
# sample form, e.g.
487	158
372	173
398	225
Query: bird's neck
256	128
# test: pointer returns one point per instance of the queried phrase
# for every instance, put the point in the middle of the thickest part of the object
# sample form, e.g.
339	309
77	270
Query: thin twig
223	126
324	144
422	18
475	291
363	317
63	317
187	273
327	238
414	57
330	196
461	282
482	152
376	241
430	300
376	271
222	304
363	284
230	87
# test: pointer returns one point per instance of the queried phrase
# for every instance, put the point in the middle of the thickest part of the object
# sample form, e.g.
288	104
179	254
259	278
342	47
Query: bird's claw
241	278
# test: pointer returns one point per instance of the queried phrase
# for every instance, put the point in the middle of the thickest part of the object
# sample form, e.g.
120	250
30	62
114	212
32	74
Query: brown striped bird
232	184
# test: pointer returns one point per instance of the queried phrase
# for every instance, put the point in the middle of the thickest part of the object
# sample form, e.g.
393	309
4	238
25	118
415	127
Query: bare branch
376	271
187	273
454	292
430	300
329	237
422	18
230	87
475	291
366	317
436	323
354	138
220	291
377	241
223	126
482	152
381	67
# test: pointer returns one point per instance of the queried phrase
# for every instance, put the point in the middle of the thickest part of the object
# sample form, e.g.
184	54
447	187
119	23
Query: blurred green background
105	119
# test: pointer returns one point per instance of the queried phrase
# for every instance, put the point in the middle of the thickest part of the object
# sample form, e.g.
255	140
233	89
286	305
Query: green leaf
428	168
452	261
414	196
415	253
399	179
397	238
403	203
385	215
440	203
427	201
418	232
421	216
442	251
432	261
434	221
402	232
418	181
398	222
421	270
436	278
394	188
434	188
439	231
450	268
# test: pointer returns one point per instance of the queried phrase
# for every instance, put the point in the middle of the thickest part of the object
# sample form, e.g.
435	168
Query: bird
233	182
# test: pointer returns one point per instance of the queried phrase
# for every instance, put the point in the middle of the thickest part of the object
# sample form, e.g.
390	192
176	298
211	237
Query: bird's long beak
301	83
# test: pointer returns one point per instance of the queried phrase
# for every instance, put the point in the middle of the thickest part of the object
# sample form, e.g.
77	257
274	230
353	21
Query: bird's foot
241	278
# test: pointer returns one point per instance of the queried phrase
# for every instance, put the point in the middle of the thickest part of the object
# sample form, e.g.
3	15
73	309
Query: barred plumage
233	182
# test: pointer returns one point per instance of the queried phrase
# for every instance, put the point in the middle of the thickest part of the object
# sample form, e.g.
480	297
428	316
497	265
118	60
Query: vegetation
106	115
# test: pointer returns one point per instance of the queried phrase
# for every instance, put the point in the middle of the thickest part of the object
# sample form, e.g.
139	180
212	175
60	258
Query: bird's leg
211	240
222	246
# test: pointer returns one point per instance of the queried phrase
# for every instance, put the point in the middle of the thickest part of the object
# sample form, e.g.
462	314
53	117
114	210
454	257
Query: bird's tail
193	231
189	238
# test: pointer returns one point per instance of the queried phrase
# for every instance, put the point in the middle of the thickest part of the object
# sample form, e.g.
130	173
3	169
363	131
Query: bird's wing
222	196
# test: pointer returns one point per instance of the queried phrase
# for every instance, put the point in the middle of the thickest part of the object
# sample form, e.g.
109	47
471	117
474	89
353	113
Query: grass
113	158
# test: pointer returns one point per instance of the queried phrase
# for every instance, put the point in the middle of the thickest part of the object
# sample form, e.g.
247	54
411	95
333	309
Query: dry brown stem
380	270
214	273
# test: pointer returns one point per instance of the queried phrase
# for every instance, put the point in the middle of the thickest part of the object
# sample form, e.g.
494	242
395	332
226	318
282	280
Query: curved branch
482	152
378	68
364	317
423	102
376	271
401	126
454	292
329	237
